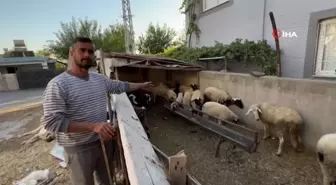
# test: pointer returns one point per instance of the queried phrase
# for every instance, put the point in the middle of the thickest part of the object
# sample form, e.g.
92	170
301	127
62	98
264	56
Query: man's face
83	54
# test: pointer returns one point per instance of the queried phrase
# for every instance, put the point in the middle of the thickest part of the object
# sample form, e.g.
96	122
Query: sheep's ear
248	112
259	110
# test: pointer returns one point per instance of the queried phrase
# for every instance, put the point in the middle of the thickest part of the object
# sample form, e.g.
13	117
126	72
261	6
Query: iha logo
277	34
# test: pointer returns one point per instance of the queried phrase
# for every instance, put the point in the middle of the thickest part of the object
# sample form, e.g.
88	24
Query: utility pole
128	26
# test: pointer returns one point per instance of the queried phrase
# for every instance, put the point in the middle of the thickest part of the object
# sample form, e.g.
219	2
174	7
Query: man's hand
147	86
105	130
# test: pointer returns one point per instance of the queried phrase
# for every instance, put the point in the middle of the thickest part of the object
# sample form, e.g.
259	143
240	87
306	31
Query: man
75	110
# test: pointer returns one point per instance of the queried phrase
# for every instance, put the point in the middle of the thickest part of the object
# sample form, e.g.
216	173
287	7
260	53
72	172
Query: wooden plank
143	165
178	169
190	179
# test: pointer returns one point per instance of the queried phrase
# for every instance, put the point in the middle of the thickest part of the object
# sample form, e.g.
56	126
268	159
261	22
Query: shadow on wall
313	99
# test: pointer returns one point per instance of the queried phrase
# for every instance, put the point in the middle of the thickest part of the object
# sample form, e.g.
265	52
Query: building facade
308	30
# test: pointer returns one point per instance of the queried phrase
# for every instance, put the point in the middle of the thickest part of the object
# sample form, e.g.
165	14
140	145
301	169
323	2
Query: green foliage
60	66
259	53
156	39
69	31
43	53
188	7
114	38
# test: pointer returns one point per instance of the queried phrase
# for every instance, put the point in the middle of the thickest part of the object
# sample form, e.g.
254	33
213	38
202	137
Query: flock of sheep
215	102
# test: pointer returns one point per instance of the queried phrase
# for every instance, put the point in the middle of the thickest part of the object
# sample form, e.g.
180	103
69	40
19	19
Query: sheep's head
255	110
238	102
148	99
171	95
235	120
194	87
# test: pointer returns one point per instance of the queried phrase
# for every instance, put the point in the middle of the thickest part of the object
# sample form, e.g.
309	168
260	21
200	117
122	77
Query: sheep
186	99
178	101
219	111
182	88
164	91
40	133
139	98
325	151
282	118
222	97
196	100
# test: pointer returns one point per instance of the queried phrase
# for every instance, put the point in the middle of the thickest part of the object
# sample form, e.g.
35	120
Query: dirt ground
239	168
171	136
16	161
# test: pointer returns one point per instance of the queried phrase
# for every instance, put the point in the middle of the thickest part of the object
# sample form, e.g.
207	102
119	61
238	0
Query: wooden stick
106	161
110	116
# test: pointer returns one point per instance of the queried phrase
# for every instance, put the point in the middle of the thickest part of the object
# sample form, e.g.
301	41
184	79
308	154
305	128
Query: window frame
318	59
204	9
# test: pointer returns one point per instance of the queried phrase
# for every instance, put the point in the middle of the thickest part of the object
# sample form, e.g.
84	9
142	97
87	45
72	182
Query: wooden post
178	169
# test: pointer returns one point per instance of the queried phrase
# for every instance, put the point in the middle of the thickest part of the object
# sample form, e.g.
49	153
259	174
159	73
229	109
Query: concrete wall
3	69
250	20
8	82
313	99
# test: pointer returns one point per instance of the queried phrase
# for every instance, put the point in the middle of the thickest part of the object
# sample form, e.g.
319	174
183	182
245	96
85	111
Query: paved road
17	98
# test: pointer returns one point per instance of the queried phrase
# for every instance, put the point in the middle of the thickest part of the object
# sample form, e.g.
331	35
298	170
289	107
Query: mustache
87	59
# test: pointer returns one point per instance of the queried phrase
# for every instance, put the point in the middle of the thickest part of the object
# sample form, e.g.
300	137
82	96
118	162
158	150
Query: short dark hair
82	39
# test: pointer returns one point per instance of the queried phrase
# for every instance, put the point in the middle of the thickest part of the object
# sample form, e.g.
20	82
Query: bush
259	53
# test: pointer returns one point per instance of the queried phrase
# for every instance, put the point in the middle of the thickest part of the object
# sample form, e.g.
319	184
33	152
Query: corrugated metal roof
25	59
142	61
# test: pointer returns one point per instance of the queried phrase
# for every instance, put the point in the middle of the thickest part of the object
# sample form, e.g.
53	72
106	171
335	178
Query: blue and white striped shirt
70	98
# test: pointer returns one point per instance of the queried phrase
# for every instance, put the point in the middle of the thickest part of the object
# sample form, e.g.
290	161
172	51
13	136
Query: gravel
17	161
172	134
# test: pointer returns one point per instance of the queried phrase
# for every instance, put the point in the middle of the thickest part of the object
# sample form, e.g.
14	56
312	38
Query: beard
84	63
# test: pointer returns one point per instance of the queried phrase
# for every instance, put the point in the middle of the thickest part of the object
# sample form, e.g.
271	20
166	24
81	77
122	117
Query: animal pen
137	156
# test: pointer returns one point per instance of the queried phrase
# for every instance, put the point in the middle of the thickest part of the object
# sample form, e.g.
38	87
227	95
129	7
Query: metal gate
38	78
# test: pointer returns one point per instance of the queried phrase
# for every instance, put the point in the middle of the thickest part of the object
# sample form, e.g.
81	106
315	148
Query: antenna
128	26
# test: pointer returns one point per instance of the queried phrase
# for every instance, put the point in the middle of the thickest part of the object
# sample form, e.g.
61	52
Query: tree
156	39
69	31
43	52
181	39
114	38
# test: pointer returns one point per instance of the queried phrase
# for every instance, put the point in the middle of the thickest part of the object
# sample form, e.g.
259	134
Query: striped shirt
69	98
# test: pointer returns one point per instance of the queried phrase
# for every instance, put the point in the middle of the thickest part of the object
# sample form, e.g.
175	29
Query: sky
36	21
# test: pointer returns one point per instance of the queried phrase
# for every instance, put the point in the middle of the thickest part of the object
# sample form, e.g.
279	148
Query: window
208	4
325	62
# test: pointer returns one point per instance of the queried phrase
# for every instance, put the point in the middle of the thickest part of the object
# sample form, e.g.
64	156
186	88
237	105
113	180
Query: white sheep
182	88
177	102
40	133
186	99
326	157
219	111
196	100
164	91
283	119
222	97
179	97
